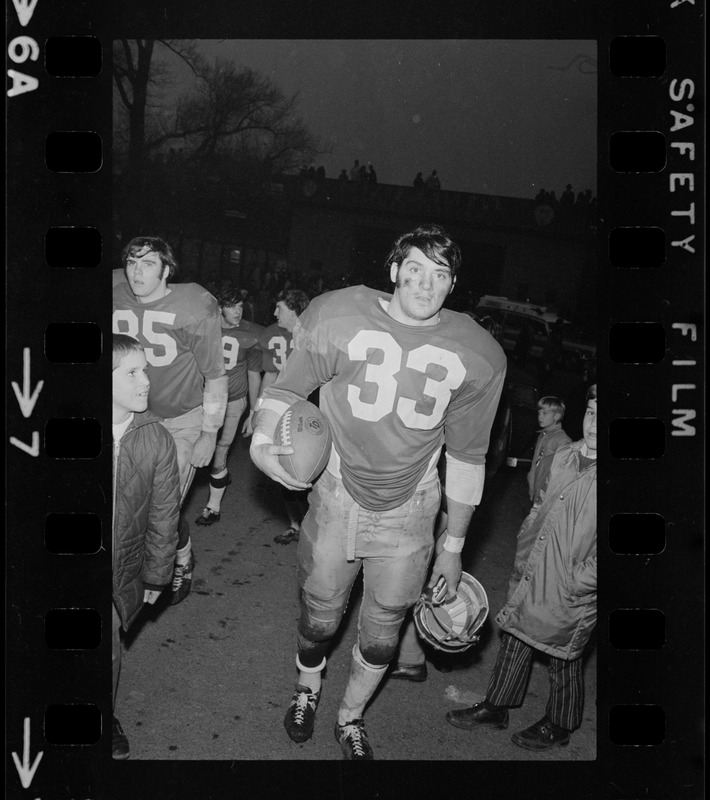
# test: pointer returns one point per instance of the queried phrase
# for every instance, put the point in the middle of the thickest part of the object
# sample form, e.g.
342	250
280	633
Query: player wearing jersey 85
400	377
179	328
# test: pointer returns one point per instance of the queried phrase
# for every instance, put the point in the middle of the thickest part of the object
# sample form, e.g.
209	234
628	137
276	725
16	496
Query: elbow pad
464	482
214	407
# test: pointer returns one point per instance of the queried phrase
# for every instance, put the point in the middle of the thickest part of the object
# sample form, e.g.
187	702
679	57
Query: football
304	428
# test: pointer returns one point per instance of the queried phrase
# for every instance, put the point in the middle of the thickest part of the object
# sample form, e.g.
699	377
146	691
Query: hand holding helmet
452	625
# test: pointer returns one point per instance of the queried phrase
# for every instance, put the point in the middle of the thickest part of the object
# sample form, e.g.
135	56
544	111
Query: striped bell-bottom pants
508	683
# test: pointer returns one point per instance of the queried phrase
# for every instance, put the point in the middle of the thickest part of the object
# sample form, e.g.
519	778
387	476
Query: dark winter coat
548	443
146	499
552	597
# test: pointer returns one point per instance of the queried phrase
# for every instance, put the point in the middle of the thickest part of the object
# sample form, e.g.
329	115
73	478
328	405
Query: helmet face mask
452	626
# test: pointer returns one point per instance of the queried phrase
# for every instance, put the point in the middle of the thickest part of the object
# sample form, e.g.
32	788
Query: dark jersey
242	354
182	337
277	345
393	393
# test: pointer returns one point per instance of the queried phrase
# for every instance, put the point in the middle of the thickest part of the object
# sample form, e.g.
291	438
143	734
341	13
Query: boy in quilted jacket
551	606
146	503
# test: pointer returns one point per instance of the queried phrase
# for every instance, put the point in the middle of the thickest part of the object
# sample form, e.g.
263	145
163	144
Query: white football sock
310	676
217	493
182	556
364	679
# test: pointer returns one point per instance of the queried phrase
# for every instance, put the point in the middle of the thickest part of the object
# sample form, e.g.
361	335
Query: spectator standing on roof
433	182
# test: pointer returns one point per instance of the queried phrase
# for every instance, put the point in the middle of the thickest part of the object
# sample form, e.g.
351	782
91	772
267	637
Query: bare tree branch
229	112
187	51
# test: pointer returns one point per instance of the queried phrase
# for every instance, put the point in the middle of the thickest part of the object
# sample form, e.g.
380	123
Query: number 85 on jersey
150	330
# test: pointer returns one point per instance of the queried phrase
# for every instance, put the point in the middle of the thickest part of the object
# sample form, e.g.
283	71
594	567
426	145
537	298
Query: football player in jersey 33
400	377
242	361
179	328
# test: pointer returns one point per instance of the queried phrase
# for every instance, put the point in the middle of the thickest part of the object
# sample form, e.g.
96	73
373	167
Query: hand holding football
304	428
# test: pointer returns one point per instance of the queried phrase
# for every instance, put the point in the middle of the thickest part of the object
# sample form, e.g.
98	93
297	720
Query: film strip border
58	436
655	388
651	325
651	509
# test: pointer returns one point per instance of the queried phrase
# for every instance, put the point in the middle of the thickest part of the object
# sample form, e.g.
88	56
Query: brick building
326	232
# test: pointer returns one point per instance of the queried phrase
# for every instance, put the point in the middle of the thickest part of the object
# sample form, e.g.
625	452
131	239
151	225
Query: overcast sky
491	116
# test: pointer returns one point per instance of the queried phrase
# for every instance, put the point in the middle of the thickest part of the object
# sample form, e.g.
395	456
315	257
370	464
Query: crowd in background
567	198
260	289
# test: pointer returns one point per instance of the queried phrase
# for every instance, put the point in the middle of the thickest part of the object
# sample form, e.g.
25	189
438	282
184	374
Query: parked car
510	316
515	425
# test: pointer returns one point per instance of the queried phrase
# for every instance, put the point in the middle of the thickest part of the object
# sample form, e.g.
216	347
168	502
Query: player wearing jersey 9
400	377
242	362
179	328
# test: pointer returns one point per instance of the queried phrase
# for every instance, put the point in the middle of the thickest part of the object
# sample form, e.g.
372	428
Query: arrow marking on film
32	449
26	771
25	399
25	9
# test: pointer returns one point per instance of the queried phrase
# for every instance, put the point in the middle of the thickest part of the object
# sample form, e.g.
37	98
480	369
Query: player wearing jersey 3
178	326
400	377
242	361
277	340
277	344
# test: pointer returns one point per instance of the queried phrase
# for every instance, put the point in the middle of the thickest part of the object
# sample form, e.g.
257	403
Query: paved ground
211	677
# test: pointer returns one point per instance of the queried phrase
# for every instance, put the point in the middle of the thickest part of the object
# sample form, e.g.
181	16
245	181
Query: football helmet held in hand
452	626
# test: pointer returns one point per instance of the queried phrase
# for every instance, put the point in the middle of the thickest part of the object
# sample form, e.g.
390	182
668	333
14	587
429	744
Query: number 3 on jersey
126	321
280	350
383	376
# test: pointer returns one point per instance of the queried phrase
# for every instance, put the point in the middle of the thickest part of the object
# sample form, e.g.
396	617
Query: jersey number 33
383	375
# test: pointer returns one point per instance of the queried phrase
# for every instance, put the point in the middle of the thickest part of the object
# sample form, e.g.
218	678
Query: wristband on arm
264	425
454	544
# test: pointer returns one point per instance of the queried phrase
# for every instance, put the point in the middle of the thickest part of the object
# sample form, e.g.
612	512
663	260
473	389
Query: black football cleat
182	581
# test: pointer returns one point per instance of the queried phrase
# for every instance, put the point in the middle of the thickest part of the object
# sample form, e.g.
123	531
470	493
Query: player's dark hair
141	244
229	297
433	241
555	403
295	299
123	344
592	392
